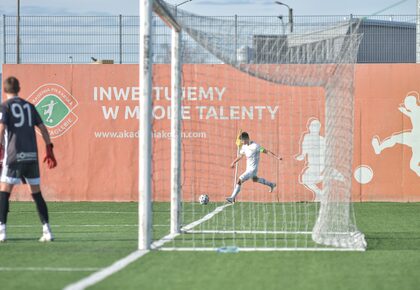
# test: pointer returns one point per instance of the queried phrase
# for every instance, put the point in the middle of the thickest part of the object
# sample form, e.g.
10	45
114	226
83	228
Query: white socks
47	236
236	191
2	232
46	228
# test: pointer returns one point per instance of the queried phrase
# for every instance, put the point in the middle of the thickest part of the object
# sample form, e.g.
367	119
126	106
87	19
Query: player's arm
2	130
3	125
403	110
49	156
45	134
268	152
236	160
301	156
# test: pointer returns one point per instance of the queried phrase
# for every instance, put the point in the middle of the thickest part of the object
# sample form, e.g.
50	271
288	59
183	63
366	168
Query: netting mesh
294	94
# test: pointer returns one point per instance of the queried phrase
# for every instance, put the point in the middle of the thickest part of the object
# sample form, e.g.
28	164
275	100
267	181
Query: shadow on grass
393	241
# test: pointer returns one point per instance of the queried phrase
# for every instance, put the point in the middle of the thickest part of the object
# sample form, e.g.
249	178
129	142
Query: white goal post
145	120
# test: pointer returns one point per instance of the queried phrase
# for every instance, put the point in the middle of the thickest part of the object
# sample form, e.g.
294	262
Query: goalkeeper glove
49	157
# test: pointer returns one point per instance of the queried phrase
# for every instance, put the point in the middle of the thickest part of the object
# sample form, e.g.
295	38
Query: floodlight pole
290	14
282	23
145	127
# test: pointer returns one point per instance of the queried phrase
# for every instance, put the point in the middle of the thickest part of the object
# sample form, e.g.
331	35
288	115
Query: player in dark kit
18	119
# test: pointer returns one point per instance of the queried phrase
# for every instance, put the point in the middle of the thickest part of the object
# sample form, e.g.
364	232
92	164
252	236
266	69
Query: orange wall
96	169
380	91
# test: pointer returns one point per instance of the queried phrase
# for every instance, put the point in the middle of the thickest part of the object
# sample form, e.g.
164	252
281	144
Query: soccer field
91	236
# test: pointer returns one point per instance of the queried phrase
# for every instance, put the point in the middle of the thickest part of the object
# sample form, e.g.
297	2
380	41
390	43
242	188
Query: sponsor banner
92	114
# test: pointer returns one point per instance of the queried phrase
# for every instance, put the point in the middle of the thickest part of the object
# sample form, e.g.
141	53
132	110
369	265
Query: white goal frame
145	121
145	143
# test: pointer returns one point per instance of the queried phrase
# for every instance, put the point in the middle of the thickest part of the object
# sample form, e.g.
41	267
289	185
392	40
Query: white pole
145	121
176	132
418	32
18	33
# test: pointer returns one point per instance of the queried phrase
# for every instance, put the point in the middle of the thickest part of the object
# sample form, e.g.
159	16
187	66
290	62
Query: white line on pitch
106	272
314	249
124	262
252	232
47	269
205	218
170	237
83	212
62	226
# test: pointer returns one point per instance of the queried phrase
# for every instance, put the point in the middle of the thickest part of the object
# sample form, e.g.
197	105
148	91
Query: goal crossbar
165	15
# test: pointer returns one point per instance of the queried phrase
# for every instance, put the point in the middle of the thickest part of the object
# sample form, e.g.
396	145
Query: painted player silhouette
313	149
49	110
409	138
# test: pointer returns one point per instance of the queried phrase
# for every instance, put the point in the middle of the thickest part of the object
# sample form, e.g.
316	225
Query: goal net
293	94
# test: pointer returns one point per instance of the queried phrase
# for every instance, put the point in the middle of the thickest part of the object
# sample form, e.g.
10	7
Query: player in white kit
251	151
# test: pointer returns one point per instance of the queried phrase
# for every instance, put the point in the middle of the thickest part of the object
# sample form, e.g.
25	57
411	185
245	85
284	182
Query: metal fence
78	39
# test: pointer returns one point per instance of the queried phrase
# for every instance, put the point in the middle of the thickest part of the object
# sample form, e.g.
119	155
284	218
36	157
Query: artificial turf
91	236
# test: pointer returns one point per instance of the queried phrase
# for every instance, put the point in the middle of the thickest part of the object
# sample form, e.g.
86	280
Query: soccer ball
204	199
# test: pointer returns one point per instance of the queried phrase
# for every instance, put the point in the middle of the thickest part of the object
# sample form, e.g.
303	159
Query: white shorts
248	175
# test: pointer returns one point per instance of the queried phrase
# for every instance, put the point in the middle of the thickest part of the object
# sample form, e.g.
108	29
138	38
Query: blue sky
212	7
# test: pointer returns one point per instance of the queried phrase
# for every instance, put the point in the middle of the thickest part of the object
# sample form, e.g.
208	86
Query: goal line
251	249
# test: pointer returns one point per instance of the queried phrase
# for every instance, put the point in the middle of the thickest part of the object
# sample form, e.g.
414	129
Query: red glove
49	158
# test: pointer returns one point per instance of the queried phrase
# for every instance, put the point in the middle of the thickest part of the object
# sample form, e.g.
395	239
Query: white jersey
252	153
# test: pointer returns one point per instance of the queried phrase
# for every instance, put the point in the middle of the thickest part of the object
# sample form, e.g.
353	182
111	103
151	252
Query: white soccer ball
204	199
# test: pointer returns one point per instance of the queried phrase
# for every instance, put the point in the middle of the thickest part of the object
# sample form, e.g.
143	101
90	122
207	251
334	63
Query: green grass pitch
90	236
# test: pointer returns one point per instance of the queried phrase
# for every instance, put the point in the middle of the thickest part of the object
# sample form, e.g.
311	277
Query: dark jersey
20	117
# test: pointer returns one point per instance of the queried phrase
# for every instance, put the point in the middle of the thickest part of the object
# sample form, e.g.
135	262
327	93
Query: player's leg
244	177
270	184
6	186
40	203
235	192
310	178
5	190
42	209
389	142
415	161
410	139
315	189
31	175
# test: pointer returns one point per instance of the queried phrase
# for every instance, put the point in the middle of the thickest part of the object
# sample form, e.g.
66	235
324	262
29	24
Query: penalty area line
106	272
124	262
82	226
